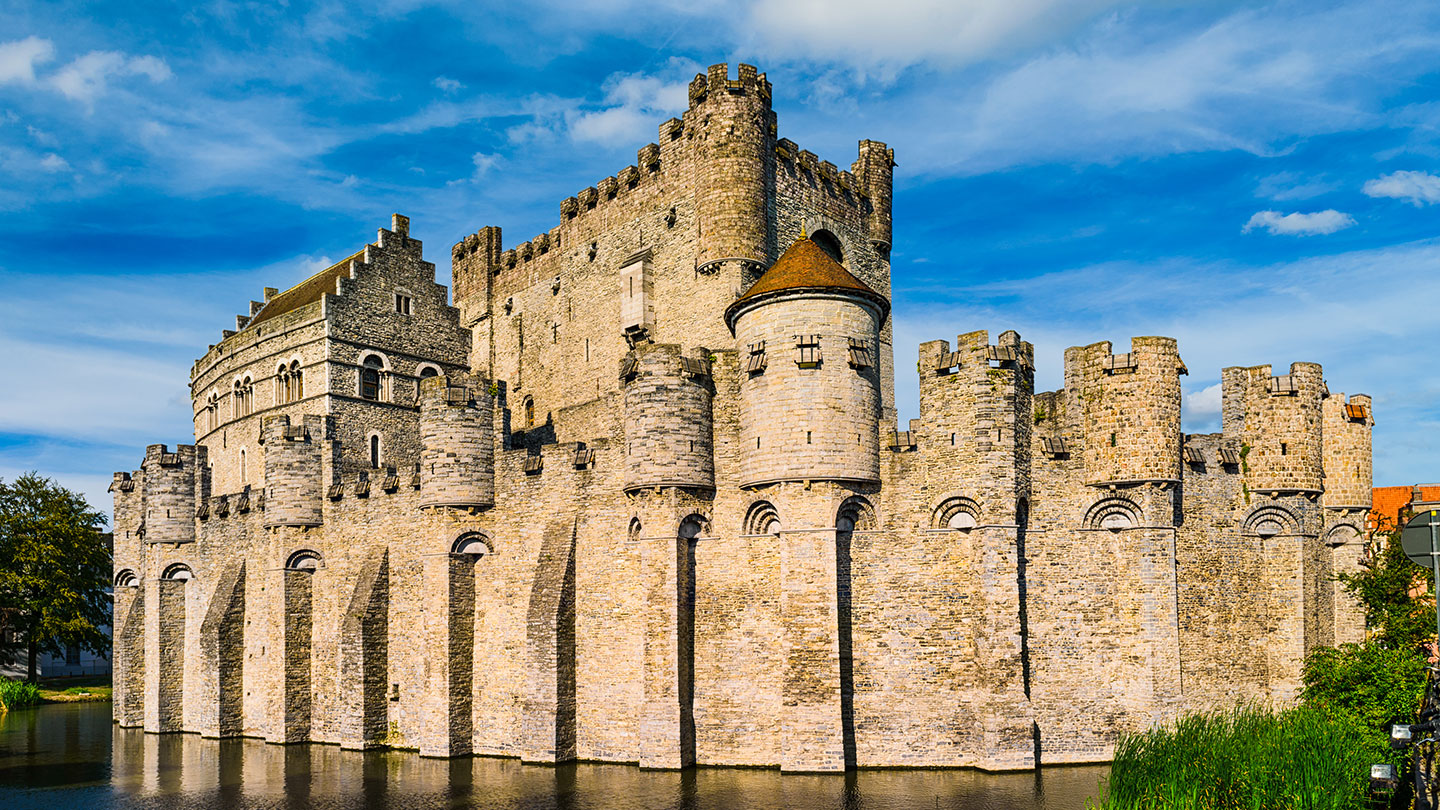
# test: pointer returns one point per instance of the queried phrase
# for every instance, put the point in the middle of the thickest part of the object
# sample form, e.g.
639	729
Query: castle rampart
638	496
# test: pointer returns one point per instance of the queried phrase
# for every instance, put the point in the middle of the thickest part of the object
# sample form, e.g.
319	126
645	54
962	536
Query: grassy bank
1298	759
71	690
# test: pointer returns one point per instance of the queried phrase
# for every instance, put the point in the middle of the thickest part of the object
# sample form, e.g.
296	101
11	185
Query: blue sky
1259	180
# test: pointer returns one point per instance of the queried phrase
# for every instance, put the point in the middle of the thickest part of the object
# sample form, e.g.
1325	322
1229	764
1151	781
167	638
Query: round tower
169	488
668	418
1130	410
293	495
1282	442
1348	471
807	335
734	130
457	441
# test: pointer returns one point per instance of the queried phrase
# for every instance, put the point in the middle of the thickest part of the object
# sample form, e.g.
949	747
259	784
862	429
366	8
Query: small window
402	303
178	572
375	451
303	560
807	351
428	372
370	378
244	474
529	412
860	354
756	362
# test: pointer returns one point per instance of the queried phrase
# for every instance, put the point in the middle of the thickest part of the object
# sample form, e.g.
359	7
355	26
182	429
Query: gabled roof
306	292
805	266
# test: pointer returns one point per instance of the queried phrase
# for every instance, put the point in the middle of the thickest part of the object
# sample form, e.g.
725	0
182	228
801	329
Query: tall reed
1247	758
18	694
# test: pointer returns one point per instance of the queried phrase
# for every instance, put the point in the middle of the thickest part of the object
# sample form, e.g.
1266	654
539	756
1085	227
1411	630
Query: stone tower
292	470
169	487
1130	409
810	392
668	419
734	130
457	441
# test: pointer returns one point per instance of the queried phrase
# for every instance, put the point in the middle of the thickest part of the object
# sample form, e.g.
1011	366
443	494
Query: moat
73	756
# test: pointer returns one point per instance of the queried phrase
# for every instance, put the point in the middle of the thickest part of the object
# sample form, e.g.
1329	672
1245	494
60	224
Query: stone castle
638	496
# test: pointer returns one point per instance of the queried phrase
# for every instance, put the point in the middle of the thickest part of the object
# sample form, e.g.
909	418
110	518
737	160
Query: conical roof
805	266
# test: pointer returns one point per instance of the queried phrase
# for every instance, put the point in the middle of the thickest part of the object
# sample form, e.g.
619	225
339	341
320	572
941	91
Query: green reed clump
1247	758
18	694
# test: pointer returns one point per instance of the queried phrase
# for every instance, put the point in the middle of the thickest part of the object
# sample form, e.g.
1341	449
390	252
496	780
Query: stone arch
693	526
762	518
633	531
855	514
475	544
425	370
956	512
126	578
1114	514
830	243
304	560
178	572
374	376
1342	534
1270	520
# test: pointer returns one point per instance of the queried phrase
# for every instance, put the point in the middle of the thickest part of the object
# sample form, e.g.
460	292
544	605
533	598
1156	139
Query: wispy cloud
1298	224
1417	188
86	78
19	58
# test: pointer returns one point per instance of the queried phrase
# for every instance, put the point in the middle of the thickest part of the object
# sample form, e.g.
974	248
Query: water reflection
72	756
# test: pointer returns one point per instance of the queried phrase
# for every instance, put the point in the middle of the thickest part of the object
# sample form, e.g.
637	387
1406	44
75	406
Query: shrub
1374	685
18	694
1302	758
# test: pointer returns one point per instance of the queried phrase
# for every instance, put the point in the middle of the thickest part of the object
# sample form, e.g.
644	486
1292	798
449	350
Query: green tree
54	570
1396	619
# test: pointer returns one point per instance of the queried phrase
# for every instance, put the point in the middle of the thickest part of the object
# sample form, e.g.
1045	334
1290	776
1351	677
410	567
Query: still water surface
71	756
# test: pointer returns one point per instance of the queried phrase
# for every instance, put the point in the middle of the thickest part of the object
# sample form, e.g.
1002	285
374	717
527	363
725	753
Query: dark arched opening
827	242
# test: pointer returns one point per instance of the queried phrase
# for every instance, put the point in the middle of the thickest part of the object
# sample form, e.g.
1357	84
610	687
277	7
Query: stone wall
571	547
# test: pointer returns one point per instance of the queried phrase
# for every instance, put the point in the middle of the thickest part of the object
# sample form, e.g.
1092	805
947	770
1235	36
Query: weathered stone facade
652	507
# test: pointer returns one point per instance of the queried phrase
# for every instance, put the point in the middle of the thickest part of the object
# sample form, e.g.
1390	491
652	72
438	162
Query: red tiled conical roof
805	266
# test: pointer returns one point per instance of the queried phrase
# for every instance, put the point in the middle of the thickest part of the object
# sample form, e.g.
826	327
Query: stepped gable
805	266
306	292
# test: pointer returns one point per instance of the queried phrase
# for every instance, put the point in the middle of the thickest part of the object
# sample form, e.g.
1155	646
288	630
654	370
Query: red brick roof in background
1389	501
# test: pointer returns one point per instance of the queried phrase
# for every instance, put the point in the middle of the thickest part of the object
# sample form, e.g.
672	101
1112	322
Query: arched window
370	377
297	382
375	450
1113	514
762	518
635	528
827	242
244	473
529	412
473	544
427	372
212	415
282	384
126	579
237	406
303	560
1269	521
692	527
179	572
956	512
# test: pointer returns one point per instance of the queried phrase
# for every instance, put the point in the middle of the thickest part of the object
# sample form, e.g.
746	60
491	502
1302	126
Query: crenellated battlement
716	81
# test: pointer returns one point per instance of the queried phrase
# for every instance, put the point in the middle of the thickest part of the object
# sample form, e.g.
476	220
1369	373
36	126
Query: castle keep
638	495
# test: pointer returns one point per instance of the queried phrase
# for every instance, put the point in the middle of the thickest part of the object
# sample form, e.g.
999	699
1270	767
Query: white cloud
483	162
86	78
635	104
1284	186
1200	410
19	58
447	85
1298	224
54	163
1418	188
907	32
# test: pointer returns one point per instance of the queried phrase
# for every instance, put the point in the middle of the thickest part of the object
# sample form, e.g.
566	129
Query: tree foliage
54	571
1376	685
1397	619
